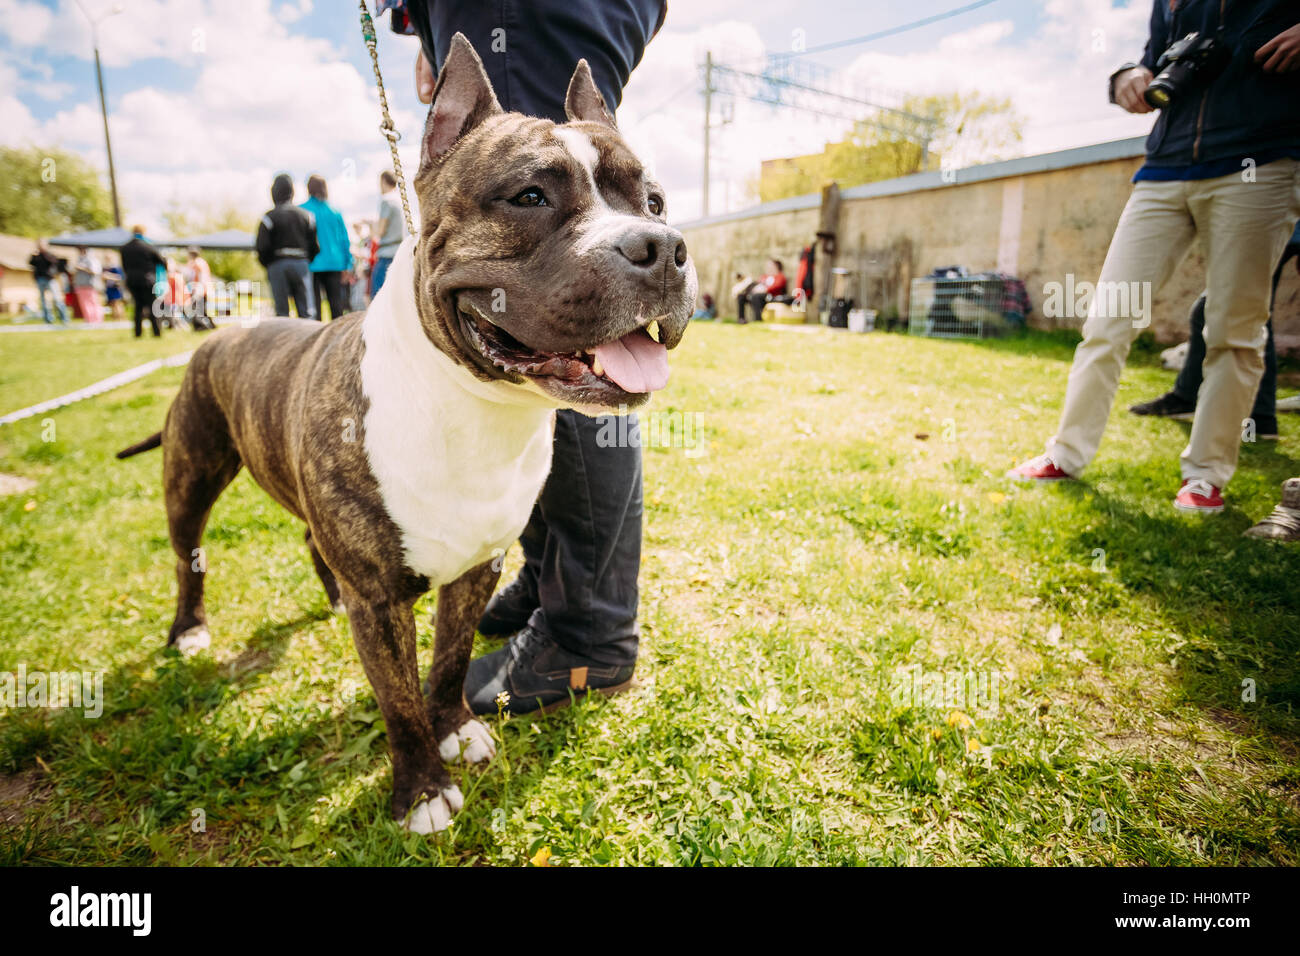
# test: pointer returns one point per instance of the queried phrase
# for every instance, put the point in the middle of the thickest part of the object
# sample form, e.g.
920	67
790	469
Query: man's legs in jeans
299	276
1153	233
1245	228
277	275
49	287
587	560
381	273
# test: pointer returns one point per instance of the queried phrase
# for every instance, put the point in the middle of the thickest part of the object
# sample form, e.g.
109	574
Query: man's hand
423	79
1282	53
1129	87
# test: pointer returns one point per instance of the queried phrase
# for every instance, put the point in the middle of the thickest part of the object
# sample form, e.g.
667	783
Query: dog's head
544	259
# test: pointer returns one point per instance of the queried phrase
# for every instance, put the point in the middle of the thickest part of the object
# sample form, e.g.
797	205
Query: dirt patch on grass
15	484
21	793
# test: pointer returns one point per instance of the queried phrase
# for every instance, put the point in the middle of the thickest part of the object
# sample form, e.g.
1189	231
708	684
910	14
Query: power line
892	31
672	98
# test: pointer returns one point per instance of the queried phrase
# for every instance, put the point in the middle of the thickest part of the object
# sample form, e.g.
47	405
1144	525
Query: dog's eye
532	196
655	205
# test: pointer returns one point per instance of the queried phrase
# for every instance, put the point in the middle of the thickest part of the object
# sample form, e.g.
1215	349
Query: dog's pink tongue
635	363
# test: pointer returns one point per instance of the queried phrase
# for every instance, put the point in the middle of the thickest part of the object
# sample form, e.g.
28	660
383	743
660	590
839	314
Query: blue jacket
332	233
1244	111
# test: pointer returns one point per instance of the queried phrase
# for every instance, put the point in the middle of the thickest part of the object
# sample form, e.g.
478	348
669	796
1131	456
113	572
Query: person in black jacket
286	245
1222	168
45	271
140	264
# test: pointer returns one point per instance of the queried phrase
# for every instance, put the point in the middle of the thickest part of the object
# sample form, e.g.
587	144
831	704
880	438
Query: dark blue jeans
582	546
292	278
1188	383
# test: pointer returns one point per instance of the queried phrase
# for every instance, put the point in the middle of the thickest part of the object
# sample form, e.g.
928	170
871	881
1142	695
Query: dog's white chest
458	473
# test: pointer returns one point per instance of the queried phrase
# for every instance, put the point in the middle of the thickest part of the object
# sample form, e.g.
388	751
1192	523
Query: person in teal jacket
335	256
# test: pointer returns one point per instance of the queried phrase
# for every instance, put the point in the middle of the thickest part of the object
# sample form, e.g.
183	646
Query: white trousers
1243	227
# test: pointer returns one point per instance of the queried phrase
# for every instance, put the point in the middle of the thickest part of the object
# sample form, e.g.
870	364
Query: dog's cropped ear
583	102
462	99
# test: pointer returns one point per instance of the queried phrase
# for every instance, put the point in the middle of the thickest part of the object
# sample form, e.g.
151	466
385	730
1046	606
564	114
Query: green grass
790	573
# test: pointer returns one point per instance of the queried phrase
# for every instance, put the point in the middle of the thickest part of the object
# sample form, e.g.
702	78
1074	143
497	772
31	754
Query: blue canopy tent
112	238
228	240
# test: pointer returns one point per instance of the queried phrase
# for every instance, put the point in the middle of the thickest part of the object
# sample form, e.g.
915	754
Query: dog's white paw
339	607
194	640
479	745
434	816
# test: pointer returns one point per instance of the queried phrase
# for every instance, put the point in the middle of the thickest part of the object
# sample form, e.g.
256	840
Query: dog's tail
153	441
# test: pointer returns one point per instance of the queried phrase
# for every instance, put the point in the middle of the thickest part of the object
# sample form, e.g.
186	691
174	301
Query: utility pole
103	104
708	105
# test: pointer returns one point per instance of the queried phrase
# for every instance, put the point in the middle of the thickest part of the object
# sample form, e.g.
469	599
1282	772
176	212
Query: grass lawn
817	588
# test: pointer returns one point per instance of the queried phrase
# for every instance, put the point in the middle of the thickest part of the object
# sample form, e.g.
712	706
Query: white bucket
862	320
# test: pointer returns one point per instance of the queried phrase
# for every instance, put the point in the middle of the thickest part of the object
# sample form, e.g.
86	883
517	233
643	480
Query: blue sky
209	99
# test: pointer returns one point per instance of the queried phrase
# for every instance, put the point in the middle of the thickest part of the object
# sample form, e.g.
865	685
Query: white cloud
265	98
1055	79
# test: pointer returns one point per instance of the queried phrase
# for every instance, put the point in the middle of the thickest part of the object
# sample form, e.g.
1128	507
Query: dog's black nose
653	247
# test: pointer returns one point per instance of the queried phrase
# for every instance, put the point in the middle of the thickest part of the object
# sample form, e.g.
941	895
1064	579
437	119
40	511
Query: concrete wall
1040	217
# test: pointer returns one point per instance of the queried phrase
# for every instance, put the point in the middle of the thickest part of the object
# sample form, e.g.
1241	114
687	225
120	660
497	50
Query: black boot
532	673
511	607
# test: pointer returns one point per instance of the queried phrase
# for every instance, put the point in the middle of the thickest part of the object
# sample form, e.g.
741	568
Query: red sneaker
1041	468
1197	494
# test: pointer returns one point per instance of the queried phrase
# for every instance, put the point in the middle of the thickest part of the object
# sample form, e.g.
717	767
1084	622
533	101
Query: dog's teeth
595	364
653	329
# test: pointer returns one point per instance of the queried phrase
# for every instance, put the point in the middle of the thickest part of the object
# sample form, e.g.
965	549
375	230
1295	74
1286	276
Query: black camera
1193	61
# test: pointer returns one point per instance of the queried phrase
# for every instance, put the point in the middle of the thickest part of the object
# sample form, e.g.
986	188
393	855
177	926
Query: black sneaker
1168	405
1266	428
510	608
533	673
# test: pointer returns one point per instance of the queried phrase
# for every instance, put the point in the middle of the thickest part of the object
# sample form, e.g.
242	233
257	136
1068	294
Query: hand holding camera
1129	88
1193	63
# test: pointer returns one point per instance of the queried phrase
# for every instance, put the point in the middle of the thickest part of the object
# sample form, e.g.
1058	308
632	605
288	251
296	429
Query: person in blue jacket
335	256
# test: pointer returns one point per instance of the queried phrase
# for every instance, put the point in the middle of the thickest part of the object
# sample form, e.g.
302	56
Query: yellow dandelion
31	505
997	497
959	720
973	746
542	857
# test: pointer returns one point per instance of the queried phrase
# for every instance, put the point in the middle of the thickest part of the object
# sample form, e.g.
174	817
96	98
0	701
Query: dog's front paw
190	642
434	815
471	740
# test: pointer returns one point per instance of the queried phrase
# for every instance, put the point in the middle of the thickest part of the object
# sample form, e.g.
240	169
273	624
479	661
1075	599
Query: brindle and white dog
414	439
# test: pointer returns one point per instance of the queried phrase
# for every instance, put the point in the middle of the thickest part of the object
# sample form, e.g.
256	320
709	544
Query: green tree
44	192
194	222
978	127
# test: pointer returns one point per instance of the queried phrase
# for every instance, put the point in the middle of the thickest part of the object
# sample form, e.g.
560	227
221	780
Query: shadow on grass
123	788
1232	601
1058	345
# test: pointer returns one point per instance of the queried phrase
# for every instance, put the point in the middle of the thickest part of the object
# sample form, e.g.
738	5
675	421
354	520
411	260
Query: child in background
113	279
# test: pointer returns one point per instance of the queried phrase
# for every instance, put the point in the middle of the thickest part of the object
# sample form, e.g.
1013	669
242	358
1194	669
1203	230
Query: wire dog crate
955	308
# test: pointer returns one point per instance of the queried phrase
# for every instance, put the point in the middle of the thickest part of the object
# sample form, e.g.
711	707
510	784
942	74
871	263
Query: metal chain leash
386	127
